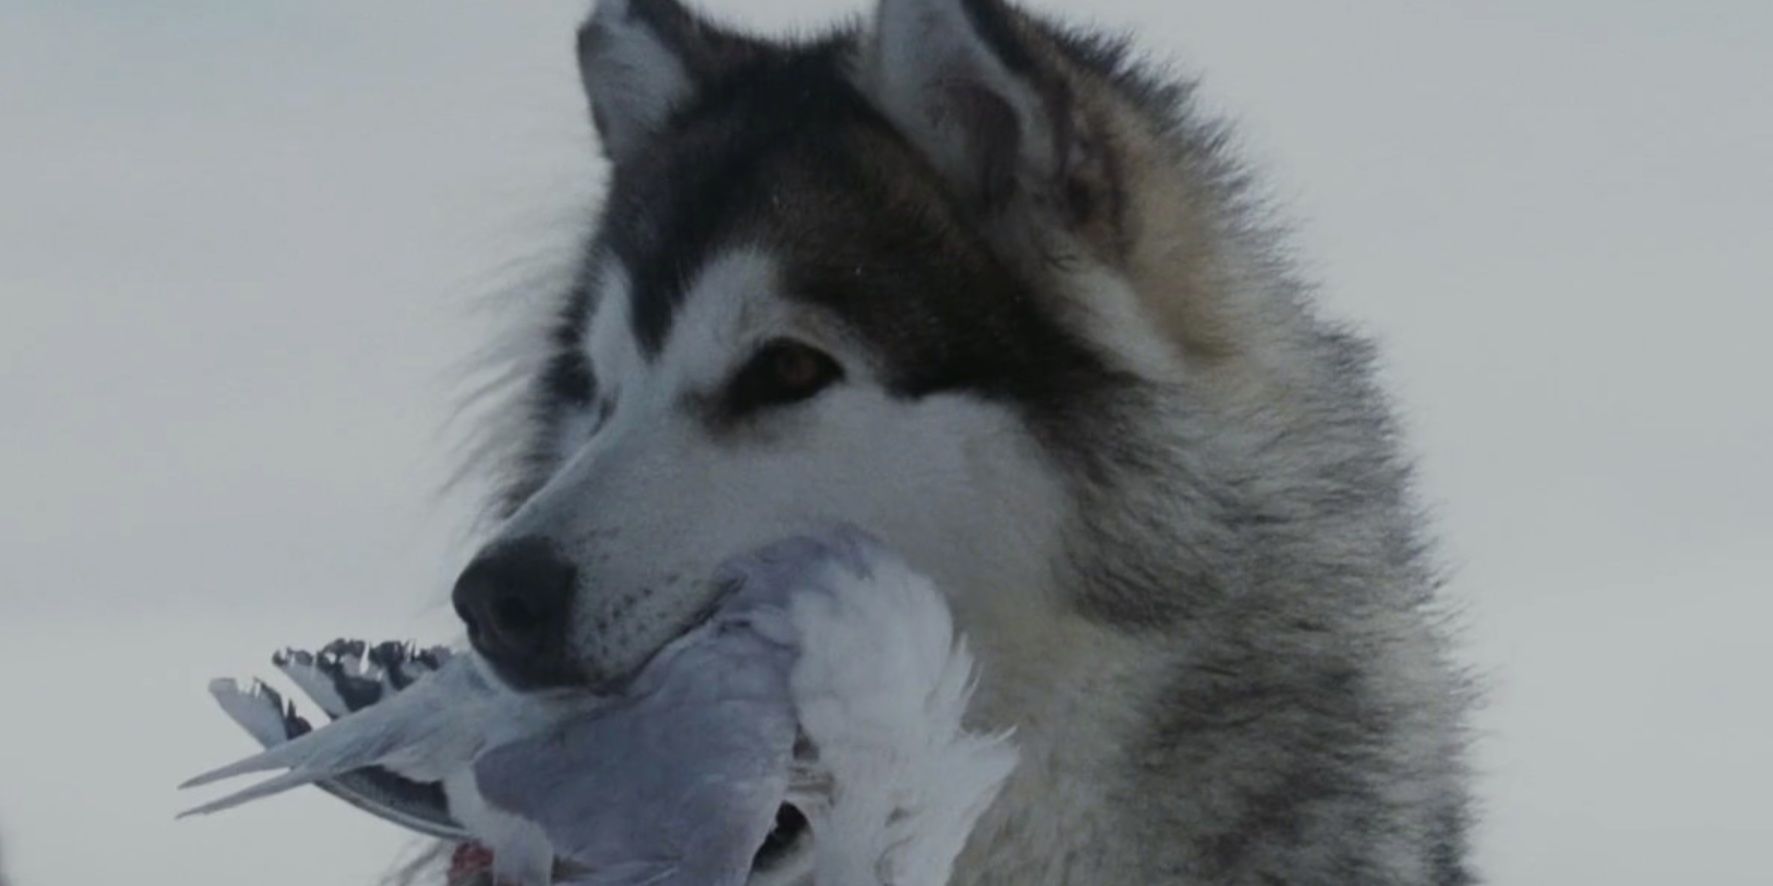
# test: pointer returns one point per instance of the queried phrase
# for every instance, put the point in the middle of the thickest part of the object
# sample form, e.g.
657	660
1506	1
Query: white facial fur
659	495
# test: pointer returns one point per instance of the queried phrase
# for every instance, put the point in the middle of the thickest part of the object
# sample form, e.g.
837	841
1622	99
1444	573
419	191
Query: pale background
239	243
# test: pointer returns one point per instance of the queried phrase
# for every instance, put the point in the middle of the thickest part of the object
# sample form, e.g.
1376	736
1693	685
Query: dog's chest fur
1074	694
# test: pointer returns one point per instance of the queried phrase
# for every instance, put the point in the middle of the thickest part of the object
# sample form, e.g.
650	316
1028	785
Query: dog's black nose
516	599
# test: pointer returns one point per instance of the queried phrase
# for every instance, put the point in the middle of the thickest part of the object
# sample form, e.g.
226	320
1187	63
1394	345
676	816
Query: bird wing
417	806
394	729
363	739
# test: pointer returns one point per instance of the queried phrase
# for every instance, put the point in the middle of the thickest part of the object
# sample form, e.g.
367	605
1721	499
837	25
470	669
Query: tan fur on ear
1138	211
1092	177
1173	255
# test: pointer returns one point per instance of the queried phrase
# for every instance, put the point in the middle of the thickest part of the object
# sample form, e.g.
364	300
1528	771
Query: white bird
830	679
405	755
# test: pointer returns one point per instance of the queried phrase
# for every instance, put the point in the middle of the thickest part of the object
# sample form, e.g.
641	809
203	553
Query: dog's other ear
641	60
965	82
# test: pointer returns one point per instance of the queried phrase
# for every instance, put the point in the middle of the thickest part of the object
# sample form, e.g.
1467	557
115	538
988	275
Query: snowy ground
238	243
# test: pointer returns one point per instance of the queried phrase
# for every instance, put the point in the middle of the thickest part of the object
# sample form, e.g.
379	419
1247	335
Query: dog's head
887	279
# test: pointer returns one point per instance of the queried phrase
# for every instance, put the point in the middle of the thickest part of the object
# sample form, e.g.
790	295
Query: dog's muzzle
516	599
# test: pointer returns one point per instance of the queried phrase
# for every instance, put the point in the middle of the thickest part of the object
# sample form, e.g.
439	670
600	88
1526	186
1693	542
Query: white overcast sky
239	243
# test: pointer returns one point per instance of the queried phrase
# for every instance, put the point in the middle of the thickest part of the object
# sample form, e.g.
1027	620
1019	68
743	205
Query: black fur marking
999	131
673	209
785	155
991	20
567	377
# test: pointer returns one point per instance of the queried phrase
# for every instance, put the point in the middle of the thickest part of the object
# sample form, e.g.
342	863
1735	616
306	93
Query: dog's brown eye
797	368
782	372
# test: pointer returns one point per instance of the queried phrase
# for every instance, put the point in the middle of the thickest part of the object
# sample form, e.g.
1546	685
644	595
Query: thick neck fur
1073	698
1251	685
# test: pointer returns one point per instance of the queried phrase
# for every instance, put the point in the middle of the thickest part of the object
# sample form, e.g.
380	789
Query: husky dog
982	286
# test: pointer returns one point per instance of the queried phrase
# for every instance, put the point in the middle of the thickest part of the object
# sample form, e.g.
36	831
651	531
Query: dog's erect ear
962	80
643	59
